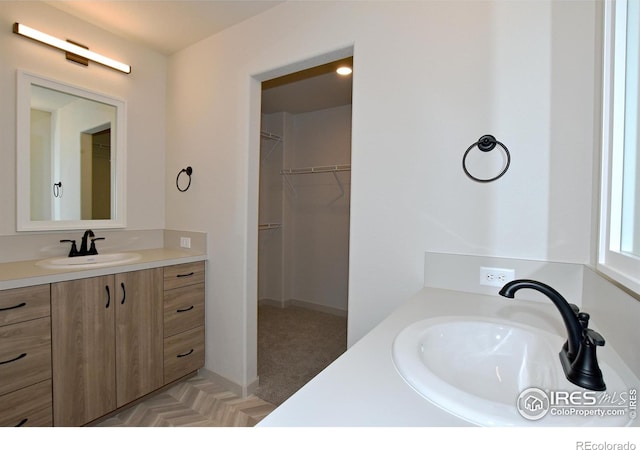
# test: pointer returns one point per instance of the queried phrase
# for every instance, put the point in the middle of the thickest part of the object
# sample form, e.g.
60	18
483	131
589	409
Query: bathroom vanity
77	344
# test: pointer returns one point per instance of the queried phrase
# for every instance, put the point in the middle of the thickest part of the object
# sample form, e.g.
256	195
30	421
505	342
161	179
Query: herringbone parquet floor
197	402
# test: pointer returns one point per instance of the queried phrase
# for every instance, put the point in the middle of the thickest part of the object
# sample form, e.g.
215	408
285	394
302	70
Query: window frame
622	267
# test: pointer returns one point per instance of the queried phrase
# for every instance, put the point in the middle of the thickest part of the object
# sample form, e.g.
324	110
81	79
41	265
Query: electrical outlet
492	276
185	242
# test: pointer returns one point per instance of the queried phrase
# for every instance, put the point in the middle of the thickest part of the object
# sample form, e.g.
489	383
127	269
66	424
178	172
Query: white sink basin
89	261
476	369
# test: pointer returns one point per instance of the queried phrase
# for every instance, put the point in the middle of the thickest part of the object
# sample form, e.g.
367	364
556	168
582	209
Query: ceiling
168	26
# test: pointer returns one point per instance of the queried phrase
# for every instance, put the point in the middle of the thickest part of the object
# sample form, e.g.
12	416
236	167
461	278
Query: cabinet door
83	350
139	336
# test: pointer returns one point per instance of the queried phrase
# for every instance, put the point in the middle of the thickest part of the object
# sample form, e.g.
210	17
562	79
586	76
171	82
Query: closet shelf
268	135
316	169
269	226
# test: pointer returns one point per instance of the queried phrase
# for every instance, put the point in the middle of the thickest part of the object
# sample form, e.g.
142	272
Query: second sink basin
89	261
476	368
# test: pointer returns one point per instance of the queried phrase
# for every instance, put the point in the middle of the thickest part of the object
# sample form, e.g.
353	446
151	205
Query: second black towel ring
188	171
485	144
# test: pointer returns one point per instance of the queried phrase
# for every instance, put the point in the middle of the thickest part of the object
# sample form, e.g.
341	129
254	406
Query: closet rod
316	169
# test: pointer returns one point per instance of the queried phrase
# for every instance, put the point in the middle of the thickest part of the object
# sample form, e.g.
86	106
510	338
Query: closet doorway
303	237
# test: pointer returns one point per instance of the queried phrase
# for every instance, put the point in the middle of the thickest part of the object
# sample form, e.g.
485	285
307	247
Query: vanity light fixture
74	51
344	70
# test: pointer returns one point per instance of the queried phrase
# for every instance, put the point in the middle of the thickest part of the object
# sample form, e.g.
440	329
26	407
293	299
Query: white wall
429	79
143	90
40	144
316	226
307	260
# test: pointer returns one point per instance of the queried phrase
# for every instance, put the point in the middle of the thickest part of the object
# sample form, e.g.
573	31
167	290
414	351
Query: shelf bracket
273	137
335	175
290	185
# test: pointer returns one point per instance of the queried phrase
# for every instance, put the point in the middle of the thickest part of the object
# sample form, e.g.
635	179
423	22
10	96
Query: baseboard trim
303	304
231	386
253	387
271	302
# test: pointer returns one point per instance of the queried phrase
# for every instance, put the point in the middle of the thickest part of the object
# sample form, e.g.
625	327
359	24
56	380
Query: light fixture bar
69	47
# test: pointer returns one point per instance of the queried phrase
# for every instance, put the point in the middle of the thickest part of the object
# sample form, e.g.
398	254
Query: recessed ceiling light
344	70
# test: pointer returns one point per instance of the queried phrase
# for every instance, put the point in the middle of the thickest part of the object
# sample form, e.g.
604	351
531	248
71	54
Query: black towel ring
486	143
188	171
57	189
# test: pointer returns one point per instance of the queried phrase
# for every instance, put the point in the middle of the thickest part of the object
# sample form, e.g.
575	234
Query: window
619	253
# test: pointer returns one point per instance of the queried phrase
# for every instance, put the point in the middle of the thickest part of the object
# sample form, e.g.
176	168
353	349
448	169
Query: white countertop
27	273
363	387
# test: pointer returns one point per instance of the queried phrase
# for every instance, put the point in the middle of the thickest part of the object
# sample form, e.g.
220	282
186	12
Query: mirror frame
23	174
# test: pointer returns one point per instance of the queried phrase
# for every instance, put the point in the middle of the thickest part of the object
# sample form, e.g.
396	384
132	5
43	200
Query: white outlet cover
495	276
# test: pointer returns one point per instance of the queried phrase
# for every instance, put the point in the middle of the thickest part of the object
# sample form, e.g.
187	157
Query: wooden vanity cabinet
25	357
106	343
184	294
74	351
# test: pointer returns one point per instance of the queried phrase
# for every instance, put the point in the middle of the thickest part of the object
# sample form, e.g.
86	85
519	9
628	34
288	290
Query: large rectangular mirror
70	157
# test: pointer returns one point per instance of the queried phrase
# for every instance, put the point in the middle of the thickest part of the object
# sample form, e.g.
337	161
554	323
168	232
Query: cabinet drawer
183	309
25	354
183	353
28	407
18	305
183	275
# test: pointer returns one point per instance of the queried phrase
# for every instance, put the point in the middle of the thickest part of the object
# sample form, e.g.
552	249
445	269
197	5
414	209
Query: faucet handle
74	249
574	308
93	250
593	337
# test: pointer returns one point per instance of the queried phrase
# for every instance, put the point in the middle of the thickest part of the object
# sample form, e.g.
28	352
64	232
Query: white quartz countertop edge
363	388
27	273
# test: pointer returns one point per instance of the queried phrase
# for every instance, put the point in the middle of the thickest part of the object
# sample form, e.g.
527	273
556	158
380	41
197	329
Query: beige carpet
294	345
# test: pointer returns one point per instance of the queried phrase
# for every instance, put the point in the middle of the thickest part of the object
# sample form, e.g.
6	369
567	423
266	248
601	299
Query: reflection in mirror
70	156
71	147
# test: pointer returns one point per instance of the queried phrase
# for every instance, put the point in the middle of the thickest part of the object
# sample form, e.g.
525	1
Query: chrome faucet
578	354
